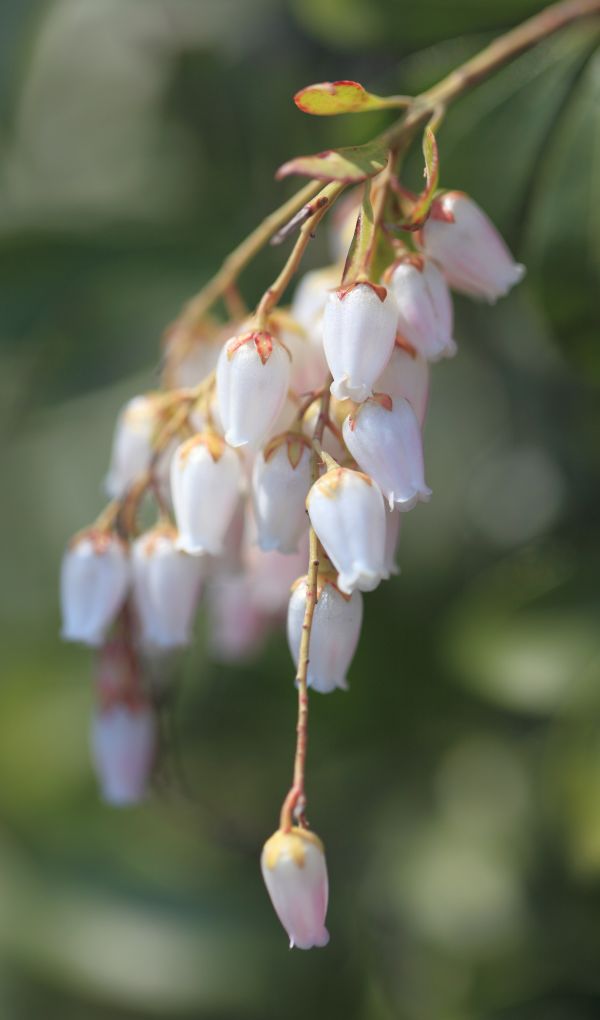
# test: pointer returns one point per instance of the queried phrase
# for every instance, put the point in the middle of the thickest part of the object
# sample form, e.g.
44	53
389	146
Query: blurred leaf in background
457	784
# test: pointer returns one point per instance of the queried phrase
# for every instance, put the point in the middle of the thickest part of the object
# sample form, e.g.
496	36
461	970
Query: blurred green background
457	784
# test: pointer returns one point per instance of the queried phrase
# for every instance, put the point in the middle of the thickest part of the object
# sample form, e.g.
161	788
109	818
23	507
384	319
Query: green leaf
521	145
348	166
562	225
432	176
363	239
328	98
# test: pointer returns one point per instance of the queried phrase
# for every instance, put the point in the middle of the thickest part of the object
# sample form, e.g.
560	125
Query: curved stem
272	296
198	306
295	801
397	137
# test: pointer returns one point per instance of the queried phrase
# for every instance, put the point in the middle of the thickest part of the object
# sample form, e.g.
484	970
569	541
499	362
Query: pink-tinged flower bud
347	511
191	351
93	585
425	315
465	243
295	873
393	521
280	483
123	739
206	479
253	377
166	588
359	331
384	438
334	636
136	427
237	627
406	375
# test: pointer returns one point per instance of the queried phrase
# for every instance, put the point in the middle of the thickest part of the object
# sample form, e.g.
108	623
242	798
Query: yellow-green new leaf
348	166
328	98
422	205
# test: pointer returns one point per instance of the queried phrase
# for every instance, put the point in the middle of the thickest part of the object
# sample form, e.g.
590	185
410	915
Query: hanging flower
166	588
280	482
406	375
123	741
132	442
465	243
425	315
334	634
253	377
295	874
384	438
206	479
359	331
347	511
93	585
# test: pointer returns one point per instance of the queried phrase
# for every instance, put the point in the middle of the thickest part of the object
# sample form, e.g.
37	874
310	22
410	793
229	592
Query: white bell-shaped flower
334	635
280	482
136	427
93	585
237	627
191	351
425	314
123	744
253	378
310	298
393	521
406	375
206	479
166	588
465	243
384	438
347	511
295	874
359	331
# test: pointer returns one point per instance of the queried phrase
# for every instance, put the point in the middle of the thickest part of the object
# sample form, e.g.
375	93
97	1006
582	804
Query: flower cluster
279	440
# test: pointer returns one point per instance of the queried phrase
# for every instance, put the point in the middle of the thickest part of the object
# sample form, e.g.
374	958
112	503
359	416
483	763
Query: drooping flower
280	482
295	874
406	375
123	740
237	626
206	479
465	243
425	315
334	635
191	351
310	298
359	331
93	585
347	511
253	377
166	588
384	438
136	427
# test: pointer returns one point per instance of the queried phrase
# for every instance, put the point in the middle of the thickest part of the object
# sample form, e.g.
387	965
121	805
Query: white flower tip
358	580
342	389
79	637
234	440
122	798
271	543
318	942
186	545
